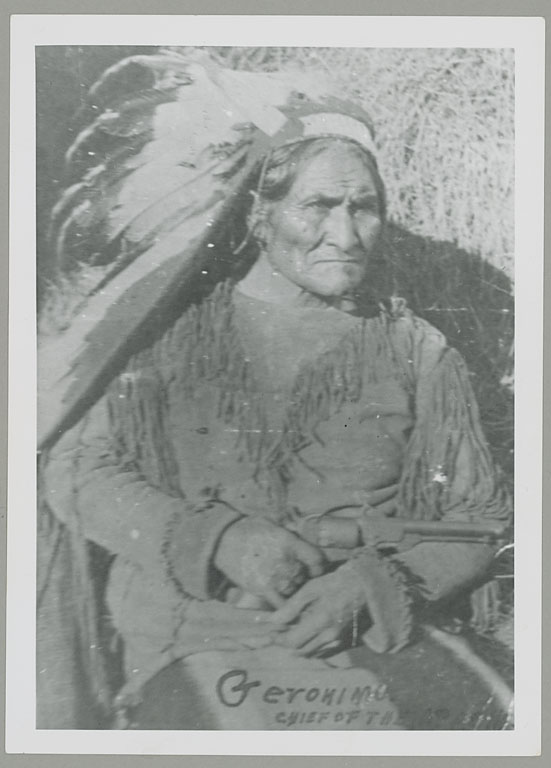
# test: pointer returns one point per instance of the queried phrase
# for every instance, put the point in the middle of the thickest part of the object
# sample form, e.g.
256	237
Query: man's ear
258	220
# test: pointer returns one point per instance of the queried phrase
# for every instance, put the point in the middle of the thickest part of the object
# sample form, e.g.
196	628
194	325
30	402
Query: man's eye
367	207
320	205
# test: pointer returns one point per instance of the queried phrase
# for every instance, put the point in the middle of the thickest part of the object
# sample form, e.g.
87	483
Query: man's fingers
260	618
294	606
261	641
327	637
311	556
374	498
306	630
272	597
387	507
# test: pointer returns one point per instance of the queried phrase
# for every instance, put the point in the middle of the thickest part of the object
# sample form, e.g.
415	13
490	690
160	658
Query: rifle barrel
328	531
452	528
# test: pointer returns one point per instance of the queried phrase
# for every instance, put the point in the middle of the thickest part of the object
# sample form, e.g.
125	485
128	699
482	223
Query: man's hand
266	560
324	609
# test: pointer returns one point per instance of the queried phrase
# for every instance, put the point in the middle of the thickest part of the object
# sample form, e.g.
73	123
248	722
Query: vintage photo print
276	364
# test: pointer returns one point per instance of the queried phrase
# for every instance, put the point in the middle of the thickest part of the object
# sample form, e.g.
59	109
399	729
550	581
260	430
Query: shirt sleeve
83	478
448	472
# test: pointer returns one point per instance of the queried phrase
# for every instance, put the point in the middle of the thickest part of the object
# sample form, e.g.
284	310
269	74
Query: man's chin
334	286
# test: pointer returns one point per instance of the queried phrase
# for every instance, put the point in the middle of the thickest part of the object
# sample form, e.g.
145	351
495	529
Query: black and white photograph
275	327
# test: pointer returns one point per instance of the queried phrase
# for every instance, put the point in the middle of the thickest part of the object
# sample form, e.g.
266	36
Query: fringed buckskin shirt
247	408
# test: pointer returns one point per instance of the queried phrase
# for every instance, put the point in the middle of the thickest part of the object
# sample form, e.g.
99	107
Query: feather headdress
155	182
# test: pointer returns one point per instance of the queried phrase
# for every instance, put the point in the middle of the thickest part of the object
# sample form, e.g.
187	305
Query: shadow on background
471	302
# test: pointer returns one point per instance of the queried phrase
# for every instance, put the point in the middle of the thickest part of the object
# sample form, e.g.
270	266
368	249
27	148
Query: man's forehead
334	170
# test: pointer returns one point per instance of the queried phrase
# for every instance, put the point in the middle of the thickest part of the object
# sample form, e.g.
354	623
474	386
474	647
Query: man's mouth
336	261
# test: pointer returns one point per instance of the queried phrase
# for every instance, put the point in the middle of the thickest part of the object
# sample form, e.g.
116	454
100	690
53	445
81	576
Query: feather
71	194
137	191
134	206
131	118
87	133
131	113
141	206
166	67
72	222
76	366
71	200
137	206
111	151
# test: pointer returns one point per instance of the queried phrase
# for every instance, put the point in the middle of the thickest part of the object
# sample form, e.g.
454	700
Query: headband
337	124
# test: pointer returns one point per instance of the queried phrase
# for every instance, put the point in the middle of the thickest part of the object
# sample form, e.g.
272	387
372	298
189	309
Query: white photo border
526	36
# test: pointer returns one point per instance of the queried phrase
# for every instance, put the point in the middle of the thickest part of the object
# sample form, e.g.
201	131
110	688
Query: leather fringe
204	345
447	423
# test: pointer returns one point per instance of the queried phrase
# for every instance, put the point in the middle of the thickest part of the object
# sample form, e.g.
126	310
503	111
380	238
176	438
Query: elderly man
278	398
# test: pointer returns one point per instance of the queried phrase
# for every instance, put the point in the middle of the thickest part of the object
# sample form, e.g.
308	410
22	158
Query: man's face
320	236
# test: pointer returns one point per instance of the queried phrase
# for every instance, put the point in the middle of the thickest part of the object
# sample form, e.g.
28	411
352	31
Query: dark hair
284	164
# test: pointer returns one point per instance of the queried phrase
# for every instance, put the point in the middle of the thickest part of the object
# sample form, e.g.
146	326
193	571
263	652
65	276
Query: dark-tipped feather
157	65
144	308
130	119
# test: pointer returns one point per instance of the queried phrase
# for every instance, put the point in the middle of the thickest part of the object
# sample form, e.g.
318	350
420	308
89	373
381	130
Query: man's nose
341	229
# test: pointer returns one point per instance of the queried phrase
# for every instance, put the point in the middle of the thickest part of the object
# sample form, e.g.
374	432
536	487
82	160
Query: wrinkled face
321	234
